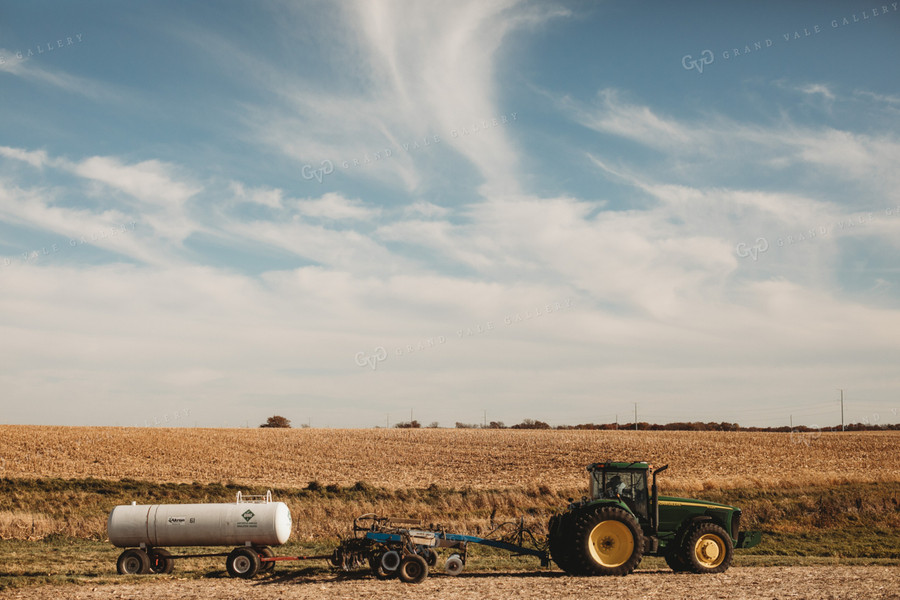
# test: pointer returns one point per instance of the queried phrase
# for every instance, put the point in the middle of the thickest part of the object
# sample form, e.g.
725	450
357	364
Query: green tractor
625	520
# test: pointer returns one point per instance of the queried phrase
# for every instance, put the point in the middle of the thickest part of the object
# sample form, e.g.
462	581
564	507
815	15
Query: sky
356	213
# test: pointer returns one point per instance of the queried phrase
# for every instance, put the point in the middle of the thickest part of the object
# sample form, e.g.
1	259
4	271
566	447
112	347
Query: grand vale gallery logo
707	57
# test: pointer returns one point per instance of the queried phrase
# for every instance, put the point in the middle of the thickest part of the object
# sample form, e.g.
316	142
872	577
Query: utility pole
842	409
617	421
792	422
635	416
484	420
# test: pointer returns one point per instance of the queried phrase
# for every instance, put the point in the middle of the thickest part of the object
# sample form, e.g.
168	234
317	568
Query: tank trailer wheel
133	561
413	569
708	549
606	541
453	566
269	565
243	562
161	561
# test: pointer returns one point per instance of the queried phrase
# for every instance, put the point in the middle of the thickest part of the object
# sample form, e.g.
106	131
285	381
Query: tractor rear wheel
607	541
708	549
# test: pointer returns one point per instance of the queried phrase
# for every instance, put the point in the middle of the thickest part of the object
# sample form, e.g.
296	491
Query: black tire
133	561
708	549
161	561
243	562
606	541
675	559
378	570
269	565
412	569
429	555
383	574
561	540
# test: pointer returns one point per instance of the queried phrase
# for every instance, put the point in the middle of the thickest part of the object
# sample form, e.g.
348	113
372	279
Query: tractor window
628	486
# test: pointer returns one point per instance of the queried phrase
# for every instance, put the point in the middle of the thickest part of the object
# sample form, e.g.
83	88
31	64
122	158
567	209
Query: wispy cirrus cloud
397	74
691	146
29	70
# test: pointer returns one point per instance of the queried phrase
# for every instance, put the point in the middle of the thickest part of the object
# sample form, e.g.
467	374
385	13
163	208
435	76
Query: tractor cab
624	482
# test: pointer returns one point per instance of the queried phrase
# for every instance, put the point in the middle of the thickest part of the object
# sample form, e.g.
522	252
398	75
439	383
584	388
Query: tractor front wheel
607	541
708	549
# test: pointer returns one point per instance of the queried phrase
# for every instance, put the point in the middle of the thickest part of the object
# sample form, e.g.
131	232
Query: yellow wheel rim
611	543
710	550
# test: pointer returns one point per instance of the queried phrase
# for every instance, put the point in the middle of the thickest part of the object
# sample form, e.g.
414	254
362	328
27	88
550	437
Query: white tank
257	523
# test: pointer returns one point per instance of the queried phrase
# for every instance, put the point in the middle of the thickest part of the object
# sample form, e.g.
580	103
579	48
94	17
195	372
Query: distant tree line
279	421
415	425
679	426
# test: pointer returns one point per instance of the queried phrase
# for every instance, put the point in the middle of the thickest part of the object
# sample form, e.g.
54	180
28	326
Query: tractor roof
618	466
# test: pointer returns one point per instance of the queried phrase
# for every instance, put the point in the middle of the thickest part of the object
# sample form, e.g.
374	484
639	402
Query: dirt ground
817	583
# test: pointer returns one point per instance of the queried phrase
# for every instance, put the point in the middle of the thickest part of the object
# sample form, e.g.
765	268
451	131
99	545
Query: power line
842	409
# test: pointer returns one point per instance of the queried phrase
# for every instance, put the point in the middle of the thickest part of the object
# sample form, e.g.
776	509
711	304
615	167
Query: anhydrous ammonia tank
237	524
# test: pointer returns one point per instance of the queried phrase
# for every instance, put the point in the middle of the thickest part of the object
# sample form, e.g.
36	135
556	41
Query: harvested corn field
458	458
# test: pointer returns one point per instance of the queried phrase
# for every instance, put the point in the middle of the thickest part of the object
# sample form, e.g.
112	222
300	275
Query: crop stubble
799	583
458	458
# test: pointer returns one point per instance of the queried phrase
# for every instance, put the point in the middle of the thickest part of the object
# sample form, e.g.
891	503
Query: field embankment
845	520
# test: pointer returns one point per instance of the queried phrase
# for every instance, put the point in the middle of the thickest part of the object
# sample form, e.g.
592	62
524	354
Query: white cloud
335	207
147	224
150	181
344	250
425	209
817	89
263	196
35	158
713	145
